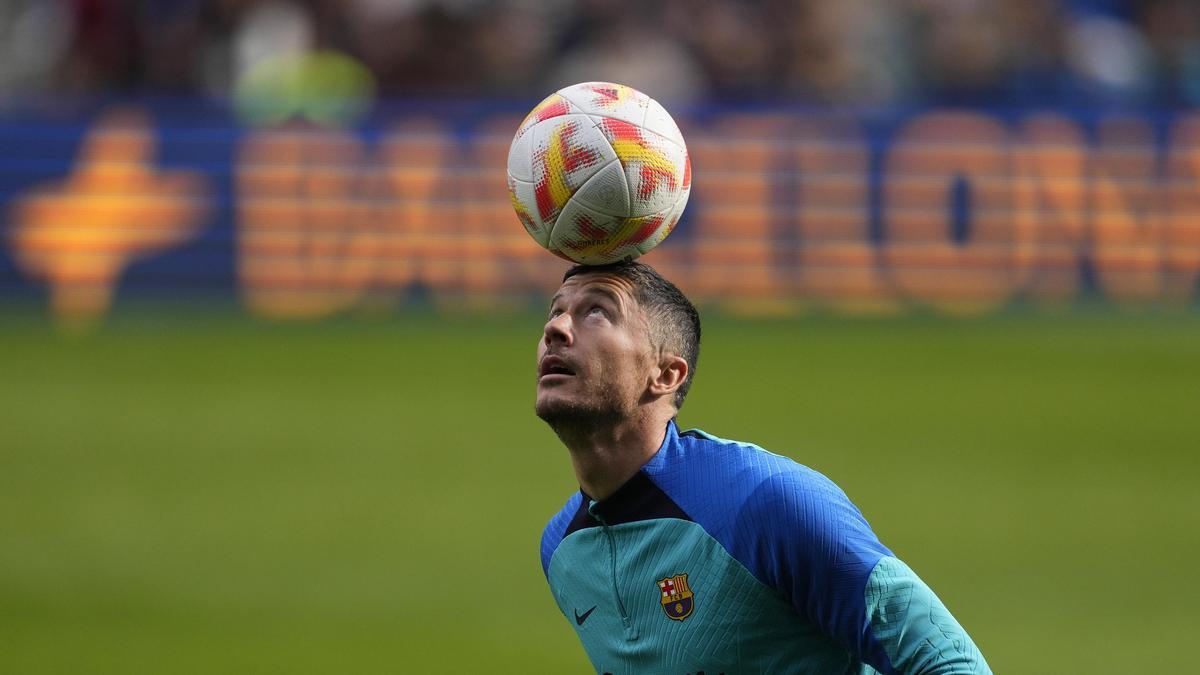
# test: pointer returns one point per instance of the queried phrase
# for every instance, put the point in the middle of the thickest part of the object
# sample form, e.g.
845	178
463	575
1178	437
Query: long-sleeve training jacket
720	557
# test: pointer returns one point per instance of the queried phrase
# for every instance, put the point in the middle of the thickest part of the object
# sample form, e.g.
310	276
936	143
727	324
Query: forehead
602	283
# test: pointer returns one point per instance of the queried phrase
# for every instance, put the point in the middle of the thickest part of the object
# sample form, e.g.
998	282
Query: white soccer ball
598	172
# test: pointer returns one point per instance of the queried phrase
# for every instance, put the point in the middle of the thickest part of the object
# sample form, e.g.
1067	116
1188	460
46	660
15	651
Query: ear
669	375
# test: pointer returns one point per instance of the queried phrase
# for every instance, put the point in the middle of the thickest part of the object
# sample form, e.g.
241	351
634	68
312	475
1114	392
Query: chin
560	412
552	408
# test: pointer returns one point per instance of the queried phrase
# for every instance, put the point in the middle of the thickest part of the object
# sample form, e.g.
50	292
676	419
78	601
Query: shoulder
736	478
791	527
552	534
762	506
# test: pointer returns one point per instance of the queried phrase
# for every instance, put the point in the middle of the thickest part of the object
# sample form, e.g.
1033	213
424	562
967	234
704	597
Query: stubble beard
575	418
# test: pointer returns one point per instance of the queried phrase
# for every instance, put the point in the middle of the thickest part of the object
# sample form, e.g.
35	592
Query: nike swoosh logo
580	618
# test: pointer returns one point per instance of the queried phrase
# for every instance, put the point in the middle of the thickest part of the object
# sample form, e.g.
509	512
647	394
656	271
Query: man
686	553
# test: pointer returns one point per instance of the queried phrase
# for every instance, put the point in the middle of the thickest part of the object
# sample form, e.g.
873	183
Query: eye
555	312
597	309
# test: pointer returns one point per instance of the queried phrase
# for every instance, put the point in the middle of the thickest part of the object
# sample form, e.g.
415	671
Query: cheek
630	365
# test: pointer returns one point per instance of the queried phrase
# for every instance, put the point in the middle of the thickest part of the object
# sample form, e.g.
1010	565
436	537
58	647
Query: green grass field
217	495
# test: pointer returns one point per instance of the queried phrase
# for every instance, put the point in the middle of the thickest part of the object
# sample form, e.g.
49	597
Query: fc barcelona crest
677	599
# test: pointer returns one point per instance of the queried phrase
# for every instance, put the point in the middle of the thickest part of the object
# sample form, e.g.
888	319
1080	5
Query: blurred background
267	319
861	51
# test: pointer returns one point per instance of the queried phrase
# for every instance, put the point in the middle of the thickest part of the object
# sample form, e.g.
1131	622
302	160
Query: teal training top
720	557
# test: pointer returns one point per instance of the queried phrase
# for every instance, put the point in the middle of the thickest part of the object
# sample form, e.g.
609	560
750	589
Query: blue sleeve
799	534
552	535
918	633
802	536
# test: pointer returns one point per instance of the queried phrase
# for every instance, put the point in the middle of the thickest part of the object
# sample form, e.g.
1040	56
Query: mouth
552	368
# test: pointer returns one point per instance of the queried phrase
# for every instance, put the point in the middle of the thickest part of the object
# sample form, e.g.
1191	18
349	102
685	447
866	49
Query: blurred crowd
855	52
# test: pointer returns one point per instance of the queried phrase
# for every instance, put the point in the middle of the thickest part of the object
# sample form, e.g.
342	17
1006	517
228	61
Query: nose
558	329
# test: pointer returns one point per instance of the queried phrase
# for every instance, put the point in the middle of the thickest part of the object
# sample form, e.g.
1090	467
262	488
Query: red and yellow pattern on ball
562	157
599	172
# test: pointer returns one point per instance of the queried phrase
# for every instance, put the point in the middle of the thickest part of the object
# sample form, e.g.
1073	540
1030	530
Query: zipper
631	632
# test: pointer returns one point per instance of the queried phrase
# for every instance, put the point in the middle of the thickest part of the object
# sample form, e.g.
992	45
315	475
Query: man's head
618	337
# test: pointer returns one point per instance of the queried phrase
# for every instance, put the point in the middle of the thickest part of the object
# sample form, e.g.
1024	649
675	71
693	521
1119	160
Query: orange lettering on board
1052	192
80	233
927	263
1182	260
308	237
735	164
1128	211
422	239
834	260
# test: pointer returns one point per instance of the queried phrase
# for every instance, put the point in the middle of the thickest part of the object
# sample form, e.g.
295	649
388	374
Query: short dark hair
674	324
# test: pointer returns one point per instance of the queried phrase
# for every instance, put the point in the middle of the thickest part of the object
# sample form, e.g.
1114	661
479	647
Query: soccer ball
598	172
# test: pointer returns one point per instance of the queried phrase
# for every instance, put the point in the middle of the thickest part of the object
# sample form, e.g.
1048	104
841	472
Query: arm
917	632
814	546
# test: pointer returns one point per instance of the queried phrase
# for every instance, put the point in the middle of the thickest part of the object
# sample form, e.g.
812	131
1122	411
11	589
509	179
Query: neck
607	454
